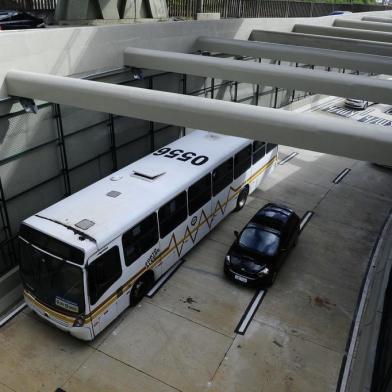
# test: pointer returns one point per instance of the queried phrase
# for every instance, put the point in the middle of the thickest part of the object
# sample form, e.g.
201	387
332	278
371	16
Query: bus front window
51	280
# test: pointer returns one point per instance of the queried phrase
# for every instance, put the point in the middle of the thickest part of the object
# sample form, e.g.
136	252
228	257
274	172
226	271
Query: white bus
85	259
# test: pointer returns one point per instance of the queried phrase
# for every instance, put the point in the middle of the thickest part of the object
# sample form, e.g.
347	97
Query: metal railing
28	5
263	8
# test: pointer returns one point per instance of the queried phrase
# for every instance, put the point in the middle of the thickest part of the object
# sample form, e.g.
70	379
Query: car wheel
365	106
242	197
140	288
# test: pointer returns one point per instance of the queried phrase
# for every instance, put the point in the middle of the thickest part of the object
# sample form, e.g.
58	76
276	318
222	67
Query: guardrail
28	5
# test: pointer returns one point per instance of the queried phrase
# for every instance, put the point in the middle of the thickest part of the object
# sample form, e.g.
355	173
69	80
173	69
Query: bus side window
258	151
242	161
222	176
140	239
270	146
172	214
103	272
199	194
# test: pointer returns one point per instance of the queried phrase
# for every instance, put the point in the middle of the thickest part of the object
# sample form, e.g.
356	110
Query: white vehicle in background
87	258
358	104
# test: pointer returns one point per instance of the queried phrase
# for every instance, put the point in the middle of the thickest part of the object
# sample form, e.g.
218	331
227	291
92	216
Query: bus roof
114	204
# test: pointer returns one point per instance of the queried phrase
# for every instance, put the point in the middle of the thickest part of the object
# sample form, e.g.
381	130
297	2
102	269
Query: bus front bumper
58	320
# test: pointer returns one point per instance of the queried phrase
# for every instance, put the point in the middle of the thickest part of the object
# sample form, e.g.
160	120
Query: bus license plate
240	278
67	305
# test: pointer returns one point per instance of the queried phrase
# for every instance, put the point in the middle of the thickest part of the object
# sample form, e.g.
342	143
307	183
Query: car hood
251	261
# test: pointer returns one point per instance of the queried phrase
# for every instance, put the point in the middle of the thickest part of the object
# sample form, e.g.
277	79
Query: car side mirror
237	234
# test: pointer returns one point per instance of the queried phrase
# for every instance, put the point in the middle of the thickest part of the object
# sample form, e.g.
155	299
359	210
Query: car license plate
240	278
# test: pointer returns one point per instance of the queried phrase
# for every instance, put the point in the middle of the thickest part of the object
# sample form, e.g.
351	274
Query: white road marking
341	176
306	218
12	314
288	158
250	312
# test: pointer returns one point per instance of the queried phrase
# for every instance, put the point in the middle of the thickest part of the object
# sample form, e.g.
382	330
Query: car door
284	246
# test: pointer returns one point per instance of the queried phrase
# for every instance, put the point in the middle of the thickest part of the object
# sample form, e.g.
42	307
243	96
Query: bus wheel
140	288
241	201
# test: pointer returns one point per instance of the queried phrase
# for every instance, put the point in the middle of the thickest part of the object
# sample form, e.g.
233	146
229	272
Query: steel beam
377	19
363	25
343	32
319	41
329	83
310	131
298	54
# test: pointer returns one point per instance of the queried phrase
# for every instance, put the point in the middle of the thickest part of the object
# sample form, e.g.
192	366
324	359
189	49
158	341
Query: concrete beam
330	135
292	78
377	19
357	24
343	32
319	41
298	54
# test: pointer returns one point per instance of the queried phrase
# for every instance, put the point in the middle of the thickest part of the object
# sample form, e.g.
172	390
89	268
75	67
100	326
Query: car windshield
259	240
51	280
273	219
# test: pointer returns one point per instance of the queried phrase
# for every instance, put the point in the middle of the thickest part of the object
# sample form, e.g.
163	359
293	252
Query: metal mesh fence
263	8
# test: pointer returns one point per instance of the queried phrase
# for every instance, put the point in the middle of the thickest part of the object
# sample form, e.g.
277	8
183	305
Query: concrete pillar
109	9
320	41
135	9
357	24
158	9
343	32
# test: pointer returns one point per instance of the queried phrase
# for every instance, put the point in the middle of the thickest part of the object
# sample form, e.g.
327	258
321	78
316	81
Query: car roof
273	214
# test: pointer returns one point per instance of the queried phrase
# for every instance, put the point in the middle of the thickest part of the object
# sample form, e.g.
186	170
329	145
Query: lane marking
11	315
288	158
250	312
305	219
164	278
341	176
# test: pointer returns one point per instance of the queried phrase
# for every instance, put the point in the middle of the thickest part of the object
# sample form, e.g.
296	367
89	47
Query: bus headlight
264	271
79	321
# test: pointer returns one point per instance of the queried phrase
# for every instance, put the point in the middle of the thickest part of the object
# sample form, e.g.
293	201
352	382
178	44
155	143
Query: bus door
141	249
199	205
103	277
222	178
174	238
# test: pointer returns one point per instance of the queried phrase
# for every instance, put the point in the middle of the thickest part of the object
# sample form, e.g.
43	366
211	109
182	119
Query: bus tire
140	288
242	197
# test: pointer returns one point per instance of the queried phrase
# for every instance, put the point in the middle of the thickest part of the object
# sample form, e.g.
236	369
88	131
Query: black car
15	20
260	249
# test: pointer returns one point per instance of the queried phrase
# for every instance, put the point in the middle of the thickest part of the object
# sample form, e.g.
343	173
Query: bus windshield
53	281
